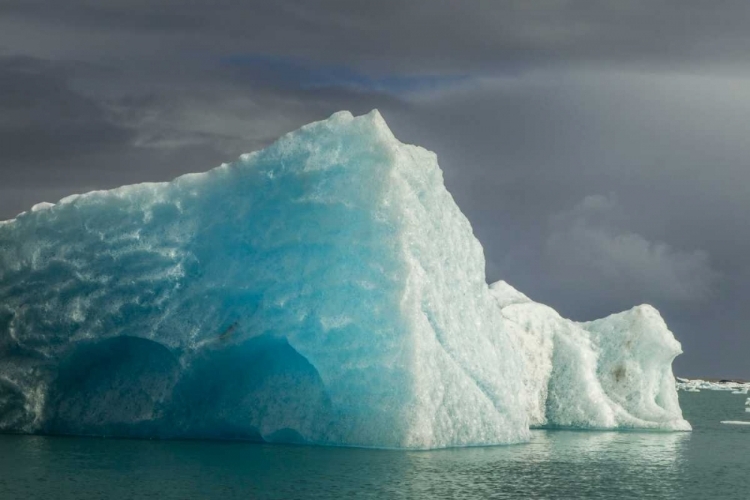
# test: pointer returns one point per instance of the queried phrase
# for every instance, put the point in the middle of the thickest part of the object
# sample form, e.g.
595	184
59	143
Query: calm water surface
712	462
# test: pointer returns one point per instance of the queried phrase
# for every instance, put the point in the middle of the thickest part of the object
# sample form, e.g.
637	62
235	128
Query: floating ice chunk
735	422
611	373
231	304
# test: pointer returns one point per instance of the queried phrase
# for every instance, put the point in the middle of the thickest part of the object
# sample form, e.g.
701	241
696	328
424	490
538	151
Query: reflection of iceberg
326	289
630	447
558	464
611	373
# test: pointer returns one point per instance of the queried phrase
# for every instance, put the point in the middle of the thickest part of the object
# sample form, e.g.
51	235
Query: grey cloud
56	140
407	36
43	119
588	244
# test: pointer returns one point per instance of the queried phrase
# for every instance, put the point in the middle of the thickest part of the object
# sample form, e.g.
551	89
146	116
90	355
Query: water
713	461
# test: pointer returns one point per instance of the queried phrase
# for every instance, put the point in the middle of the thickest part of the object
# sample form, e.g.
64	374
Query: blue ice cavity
326	289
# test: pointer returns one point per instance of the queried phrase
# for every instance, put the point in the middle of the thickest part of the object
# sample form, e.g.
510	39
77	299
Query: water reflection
555	464
710	462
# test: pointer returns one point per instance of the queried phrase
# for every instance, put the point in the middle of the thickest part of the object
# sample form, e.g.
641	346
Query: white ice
605	374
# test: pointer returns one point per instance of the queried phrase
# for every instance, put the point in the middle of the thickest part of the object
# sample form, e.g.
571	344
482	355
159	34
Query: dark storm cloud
415	36
42	118
46	131
598	148
587	243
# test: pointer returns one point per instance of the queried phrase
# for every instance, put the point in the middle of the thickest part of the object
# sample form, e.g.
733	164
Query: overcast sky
601	150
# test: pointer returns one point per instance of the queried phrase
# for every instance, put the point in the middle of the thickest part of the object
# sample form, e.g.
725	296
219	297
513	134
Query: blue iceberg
325	290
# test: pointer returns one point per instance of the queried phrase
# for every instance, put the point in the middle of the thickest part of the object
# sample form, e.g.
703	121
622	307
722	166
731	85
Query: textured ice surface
611	373
326	289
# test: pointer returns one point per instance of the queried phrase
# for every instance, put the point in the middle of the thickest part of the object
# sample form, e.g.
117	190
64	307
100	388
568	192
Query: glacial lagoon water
712	462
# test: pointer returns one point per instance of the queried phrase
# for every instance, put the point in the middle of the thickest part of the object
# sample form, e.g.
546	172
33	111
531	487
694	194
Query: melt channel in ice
326	289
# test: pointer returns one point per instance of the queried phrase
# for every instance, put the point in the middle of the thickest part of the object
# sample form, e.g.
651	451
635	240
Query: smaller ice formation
606	374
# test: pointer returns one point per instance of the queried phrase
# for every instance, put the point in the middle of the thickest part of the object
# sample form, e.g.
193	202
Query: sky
599	149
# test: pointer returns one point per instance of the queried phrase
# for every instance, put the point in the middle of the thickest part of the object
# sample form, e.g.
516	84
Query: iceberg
324	290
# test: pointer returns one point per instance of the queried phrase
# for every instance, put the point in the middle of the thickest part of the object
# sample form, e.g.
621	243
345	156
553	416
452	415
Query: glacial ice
326	289
613	373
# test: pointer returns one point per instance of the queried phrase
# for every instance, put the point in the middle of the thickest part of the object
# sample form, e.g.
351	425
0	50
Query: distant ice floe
697	385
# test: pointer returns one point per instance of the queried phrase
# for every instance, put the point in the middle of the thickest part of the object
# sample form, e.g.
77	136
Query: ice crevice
326	289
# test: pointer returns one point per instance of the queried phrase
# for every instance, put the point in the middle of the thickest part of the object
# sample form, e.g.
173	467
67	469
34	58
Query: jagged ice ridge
326	289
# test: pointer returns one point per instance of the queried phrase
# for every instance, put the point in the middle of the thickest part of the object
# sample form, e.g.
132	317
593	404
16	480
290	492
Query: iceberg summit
324	290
